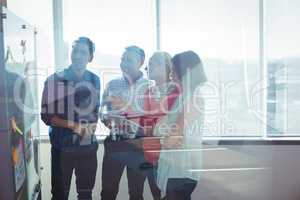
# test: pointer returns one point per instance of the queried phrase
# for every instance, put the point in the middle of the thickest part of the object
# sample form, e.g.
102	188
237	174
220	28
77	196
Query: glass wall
40	15
230	39
112	28
283	58
226	36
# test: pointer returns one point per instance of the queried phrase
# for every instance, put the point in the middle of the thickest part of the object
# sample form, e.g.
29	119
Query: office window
283	59
112	25
39	15
226	36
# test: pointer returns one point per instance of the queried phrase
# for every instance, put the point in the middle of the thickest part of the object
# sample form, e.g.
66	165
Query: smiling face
80	56
159	67
130	64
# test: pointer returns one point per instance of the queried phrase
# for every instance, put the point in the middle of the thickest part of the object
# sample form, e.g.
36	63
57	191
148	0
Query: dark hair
188	59
139	51
88	42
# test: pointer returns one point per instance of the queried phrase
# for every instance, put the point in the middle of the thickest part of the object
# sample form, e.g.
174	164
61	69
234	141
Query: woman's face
157	69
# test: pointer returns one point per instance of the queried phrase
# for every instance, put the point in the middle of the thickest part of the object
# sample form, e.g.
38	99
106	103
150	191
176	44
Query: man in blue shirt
70	105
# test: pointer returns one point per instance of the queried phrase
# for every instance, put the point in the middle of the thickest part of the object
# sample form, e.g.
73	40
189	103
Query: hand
14	127
172	142
13	124
79	129
107	123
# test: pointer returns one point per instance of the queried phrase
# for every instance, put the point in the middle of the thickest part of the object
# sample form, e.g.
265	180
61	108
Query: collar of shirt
123	82
134	79
70	75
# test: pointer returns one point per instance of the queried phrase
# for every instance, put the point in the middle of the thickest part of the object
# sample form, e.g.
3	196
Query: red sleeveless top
156	108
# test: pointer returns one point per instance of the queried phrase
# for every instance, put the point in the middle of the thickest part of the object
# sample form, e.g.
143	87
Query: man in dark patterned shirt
70	105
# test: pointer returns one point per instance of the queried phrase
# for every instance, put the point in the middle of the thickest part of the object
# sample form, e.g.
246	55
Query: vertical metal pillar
59	47
157	20
263	67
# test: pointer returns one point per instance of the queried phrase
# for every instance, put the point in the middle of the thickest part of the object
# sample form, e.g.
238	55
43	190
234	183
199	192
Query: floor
46	178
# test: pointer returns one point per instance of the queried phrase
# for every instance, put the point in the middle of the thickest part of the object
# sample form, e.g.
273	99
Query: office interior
251	55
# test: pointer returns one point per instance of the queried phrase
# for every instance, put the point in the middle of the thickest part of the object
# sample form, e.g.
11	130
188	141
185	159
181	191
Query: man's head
132	60
82	52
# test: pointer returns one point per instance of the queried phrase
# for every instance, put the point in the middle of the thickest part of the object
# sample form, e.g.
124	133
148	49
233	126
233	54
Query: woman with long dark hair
180	162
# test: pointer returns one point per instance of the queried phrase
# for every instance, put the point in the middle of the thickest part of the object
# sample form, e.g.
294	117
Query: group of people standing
166	145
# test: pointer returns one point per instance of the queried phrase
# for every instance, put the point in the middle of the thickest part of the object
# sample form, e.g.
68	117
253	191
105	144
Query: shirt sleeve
47	104
104	97
97	100
104	101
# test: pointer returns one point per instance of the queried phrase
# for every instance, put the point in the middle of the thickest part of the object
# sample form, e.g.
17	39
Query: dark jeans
62	165
180	189
113	167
